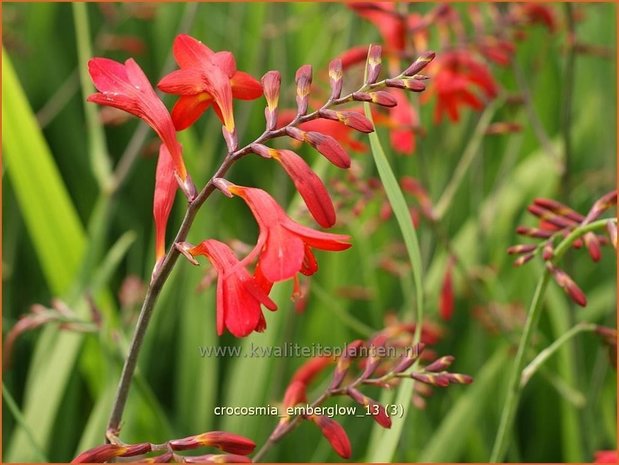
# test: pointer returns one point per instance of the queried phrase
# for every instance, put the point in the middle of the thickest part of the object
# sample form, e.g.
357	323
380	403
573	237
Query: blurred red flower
458	81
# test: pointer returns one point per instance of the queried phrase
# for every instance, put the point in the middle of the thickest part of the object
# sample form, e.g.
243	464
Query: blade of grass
97	148
384	449
59	242
19	418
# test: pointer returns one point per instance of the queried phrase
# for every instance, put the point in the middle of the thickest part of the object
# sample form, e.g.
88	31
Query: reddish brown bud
107	452
414	85
227	442
412	355
593	246
383	98
441	364
601	206
335	434
352	119
217	458
568	285
459	378
521	248
329	148
503	127
303	80
336	78
559	209
373	63
534	232
309	186
431	379
271	83
523	259
551	217
343	363
375	409
420	63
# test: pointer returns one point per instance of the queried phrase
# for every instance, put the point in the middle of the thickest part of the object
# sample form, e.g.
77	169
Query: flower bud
336	78
419	64
303	80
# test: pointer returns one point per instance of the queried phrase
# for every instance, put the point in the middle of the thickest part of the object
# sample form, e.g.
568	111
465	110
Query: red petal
225	61
165	190
188	109
282	256
309	186
183	82
318	239
245	86
107	74
190	52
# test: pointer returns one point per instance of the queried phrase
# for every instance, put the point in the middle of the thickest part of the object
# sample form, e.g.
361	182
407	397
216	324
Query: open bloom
456	75
239	295
126	87
284	246
206	78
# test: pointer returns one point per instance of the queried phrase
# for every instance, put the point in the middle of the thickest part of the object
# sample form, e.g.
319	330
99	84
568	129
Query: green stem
514	386
514	390
545	354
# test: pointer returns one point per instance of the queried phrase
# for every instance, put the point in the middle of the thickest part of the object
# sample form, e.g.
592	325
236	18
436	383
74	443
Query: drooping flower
165	189
335	434
126	87
239	295
284	246
307	182
458	81
206	78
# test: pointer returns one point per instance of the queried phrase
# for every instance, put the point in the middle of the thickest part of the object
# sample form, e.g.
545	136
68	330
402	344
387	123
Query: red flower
238	294
126	87
455	76
307	183
446	301
165	189
391	25
285	247
606	456
206	78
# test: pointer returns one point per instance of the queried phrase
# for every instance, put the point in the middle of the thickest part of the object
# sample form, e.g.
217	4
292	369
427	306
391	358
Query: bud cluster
360	366
236	449
557	221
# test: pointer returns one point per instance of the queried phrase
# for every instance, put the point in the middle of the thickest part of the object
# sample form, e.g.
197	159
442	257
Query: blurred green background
66	236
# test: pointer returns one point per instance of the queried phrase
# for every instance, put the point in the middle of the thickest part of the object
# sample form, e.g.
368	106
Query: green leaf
450	437
387	440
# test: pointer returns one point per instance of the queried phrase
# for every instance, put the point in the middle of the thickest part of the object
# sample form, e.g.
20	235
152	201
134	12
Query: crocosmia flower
284	246
126	87
239	295
206	78
165	190
458	81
